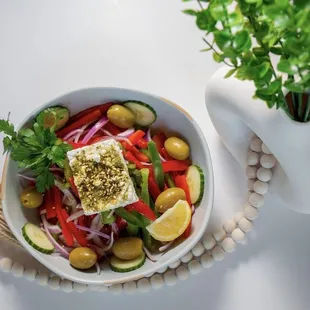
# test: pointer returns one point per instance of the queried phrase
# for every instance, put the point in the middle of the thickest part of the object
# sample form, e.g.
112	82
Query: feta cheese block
101	177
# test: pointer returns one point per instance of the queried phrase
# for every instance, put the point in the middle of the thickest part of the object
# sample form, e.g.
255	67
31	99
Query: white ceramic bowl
170	117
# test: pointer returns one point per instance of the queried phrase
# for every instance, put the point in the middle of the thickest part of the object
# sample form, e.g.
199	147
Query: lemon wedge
172	223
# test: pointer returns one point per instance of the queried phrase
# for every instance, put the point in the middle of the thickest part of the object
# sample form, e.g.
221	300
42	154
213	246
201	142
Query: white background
48	48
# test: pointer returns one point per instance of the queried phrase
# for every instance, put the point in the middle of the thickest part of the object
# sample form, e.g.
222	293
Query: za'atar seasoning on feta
101	177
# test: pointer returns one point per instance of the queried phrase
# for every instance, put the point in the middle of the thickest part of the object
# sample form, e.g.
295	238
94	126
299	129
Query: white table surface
50	47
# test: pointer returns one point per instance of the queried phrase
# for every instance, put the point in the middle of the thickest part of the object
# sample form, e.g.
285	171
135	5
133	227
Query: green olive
168	198
83	258
121	116
177	148
31	198
127	248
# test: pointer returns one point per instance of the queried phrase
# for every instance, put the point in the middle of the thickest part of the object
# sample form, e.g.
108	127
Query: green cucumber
37	238
132	230
196	183
54	118
119	265
144	113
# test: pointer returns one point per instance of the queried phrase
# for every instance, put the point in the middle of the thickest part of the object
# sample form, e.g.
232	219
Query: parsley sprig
36	148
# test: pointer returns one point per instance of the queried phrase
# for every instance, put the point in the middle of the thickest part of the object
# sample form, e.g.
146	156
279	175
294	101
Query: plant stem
199	3
216	52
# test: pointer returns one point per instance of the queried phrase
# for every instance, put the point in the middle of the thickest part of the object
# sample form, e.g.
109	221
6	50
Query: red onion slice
103	121
161	158
70	200
126	133
166	246
150	256
78	136
75	216
106	132
98	268
95	224
96	239
71	134
26	177
148	137
57	246
55	169
96	232
146	164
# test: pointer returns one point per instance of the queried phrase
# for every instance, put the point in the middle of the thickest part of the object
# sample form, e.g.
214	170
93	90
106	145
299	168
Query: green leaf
218	11
294	87
285	66
205	21
230	72
44	180
276	50
217	57
7	144
273	87
190	12
263	69
7	128
260	51
242	41
222	39
251	1
107	218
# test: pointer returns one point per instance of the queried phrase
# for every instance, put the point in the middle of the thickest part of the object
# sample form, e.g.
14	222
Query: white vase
237	116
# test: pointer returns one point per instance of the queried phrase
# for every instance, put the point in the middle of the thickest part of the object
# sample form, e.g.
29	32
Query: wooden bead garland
212	247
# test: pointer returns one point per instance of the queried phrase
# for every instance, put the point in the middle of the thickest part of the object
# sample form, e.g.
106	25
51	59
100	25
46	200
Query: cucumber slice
37	238
144	113
196	183
119	265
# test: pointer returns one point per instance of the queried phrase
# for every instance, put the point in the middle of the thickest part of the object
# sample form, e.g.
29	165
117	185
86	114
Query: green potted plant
265	45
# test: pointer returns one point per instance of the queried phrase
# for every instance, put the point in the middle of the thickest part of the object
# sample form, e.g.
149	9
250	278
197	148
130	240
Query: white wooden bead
251	184
229	226
116	289
250	212
30	274
238	235
162	270
6	264
228	245
208	242
260	187
194	267
66	286
198	249
265	149
175	265
218	254
79	287
170	278
130	287
187	257
253	158
42	278
17	270
264	174
219	234
245	225
249	193
251	172
157	281
103	288
256	145
267	161
206	260
182	273
144	285
256	200
238	216
54	283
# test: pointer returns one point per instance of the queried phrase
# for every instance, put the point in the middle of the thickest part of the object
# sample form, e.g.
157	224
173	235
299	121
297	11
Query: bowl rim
209	200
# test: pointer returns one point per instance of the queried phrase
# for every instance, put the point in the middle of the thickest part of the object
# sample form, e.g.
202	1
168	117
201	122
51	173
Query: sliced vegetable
67	169
145	185
37	238
159	140
89	118
169	180
63	224
157	165
107	217
143	209
119	265
144	113
136	136
114	130
73	187
132	230
132	159
153	187
54	118
196	183
49	205
175	165
181	182
102	122
129	217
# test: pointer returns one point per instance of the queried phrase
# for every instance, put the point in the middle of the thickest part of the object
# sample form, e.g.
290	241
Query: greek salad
106	186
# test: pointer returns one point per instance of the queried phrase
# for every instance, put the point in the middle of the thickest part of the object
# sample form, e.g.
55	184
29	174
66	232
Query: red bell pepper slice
76	145
175	165
49	205
187	231
91	117
142	144
153	187
78	234
129	156
73	187
121	223
180	181
114	130
102	107
143	209
135	152
160	143
64	227
136	136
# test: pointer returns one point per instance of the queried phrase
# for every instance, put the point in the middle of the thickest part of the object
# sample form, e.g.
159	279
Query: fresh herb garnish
35	148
